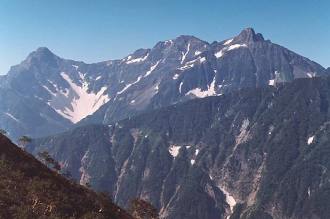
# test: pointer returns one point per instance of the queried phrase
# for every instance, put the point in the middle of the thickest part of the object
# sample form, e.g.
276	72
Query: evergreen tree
3	132
24	140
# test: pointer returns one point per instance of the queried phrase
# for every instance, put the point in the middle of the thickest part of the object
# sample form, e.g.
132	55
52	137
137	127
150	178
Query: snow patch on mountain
156	88
310	140
203	59
220	53
76	102
236	46
137	60
176	76
184	55
197	53
180	86
185	67
174	150
228	42
191	63
152	68
129	85
201	94
311	74
168	42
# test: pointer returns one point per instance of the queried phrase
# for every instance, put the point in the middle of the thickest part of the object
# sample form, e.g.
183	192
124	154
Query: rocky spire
248	35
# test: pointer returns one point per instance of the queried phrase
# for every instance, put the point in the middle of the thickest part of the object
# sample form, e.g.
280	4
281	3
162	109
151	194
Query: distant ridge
46	94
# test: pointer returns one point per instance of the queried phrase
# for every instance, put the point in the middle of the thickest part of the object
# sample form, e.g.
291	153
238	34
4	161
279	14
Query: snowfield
76	102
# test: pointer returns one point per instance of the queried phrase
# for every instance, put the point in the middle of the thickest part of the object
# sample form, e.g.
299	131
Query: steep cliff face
255	153
46	94
28	189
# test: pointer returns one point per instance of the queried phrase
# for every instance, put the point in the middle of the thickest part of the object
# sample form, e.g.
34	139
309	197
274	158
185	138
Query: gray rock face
254	153
55	93
199	69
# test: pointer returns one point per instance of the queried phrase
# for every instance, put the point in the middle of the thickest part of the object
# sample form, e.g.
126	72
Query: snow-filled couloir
77	102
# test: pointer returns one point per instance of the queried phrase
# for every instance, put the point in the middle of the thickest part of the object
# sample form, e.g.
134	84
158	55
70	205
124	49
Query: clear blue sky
96	30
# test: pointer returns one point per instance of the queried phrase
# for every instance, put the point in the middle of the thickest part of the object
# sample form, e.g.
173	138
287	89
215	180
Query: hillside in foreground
28	189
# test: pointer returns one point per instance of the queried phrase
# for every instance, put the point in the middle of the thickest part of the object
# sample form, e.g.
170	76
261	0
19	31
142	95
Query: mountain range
46	94
235	129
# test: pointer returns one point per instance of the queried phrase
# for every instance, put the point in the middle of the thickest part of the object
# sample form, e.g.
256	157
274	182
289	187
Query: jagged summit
246	35
172	71
249	35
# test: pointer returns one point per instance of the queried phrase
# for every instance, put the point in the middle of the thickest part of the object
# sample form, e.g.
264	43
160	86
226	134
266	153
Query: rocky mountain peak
186	38
248	35
42	55
40	60
42	52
